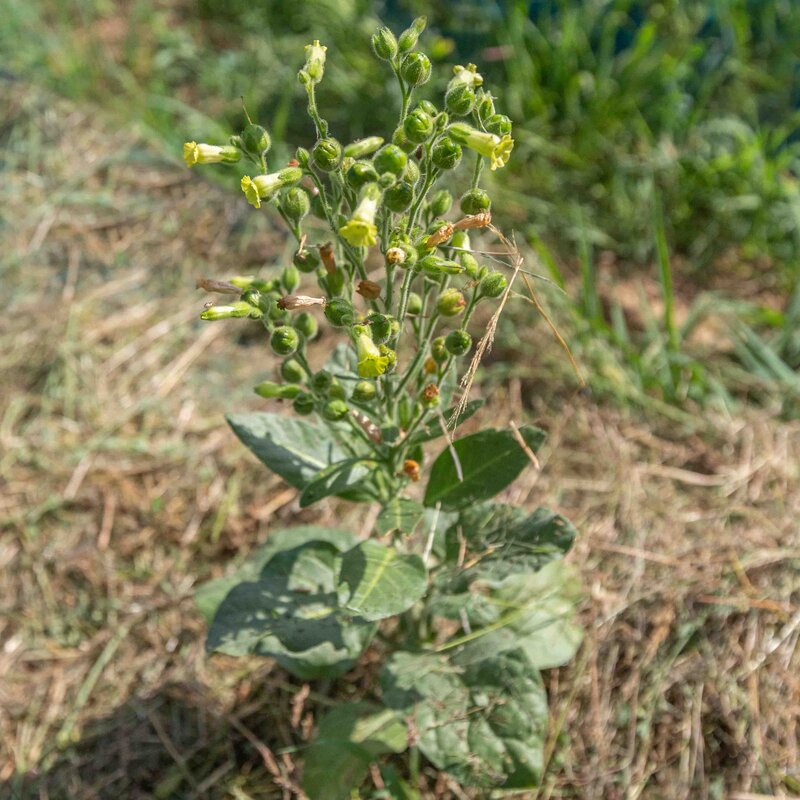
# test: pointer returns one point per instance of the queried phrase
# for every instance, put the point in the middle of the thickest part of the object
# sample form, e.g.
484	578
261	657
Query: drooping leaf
484	723
293	448
433	430
290	612
335	479
350	738
488	461
211	594
401	514
375	581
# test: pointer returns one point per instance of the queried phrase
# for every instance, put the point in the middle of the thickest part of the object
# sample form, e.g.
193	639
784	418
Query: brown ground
121	489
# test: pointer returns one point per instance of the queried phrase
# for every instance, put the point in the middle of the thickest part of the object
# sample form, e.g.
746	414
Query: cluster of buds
387	251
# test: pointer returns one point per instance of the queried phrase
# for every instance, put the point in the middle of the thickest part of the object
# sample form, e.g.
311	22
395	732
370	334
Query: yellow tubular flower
262	187
371	363
360	229
194	153
496	149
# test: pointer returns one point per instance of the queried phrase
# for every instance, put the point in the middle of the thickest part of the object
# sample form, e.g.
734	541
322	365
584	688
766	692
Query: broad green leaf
376	581
211	594
290	613
484	723
531	611
350	738
335	479
401	514
488	460
290	447
433	430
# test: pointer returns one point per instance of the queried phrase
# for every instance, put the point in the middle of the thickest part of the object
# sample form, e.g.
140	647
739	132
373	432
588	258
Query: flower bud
337	391
471	266
446	154
492	285
363	147
380	327
430	396
418	126
360	229
302	157
327	154
458	343
402	141
360	173
296	204
307	325
384	44
284	340
339	312
369	290
363	392
474	201
290	280
484	106
411	172
332	282
398	198
389	355
238	310
194	153
255	139
498	124
322	381
440	204
271	390
405	411
292	371
390	158
303	404
438	350
306	260
489	145
416	69
414	304
334	410
451	303
436	266
408	38
460	99
315	61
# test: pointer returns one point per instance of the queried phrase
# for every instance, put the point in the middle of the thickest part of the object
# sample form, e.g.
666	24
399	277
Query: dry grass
121	488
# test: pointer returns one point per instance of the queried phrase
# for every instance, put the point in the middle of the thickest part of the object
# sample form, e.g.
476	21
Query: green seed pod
411	173
458	343
439	350
492	285
498	124
398	198
290	278
416	69
484	105
306	260
255	139
321	381
360	173
430	396
363	392
302	157
460	99
451	303
402	141
404	254
440	204
418	126
334	410
446	153
292	371
276	313
363	147
390	158
408	38
339	312
327	154
284	340
384	44
387	180
414	304
303	404
380	326
405	411
306	324
475	201
333	282
251	296
337	391
471	266
296	204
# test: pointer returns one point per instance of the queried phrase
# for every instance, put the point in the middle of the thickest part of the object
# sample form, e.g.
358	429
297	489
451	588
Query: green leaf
290	612
376	581
335	479
290	447
489	461
350	738
485	723
433	430
401	514
209	596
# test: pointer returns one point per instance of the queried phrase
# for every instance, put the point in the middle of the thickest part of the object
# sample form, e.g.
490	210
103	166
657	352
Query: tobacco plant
466	599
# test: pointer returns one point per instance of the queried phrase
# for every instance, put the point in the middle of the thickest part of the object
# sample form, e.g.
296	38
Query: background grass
655	183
